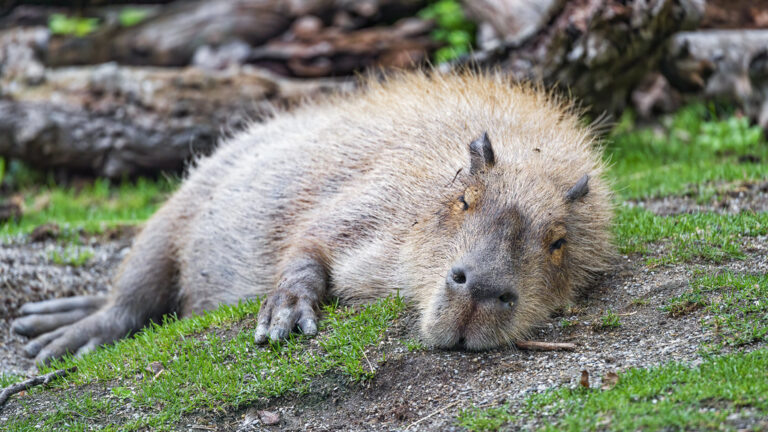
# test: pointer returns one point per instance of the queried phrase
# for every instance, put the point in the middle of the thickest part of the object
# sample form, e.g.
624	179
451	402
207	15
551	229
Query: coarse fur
366	195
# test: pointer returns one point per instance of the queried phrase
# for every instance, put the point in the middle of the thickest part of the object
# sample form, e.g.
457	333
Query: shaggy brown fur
362	196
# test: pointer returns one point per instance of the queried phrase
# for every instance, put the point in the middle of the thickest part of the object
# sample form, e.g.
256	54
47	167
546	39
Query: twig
32	382
369	362
545	346
627	314
434	413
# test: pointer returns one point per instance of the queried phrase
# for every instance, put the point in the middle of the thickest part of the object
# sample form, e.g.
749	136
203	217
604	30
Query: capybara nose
462	279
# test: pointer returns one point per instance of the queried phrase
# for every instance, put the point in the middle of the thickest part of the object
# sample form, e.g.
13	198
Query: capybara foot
102	327
46	316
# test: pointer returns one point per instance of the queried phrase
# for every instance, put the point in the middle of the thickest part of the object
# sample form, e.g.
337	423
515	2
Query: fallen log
728	65
171	37
598	50
512	21
333	51
116	121
179	30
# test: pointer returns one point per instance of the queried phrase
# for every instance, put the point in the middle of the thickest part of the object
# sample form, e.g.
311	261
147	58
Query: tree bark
598	50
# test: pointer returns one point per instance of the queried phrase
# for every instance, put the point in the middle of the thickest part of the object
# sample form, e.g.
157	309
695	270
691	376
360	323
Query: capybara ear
480	154
578	190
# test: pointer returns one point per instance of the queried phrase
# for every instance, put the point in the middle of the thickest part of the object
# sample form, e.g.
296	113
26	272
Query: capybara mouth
466	324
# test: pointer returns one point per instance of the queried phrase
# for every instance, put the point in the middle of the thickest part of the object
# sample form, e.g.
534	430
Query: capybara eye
508	298
557	245
464	204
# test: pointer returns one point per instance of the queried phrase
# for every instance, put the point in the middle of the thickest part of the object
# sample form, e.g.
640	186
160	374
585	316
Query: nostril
508	297
458	276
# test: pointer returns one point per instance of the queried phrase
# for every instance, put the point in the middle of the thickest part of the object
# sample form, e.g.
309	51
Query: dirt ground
426	389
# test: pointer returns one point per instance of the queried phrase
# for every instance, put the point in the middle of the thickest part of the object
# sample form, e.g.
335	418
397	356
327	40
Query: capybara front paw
281	313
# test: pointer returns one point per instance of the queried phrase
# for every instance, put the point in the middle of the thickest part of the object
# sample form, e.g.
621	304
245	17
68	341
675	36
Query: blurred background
121	90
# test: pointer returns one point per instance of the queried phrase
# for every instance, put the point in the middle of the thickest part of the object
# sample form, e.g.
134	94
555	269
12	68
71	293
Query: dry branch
32	382
545	346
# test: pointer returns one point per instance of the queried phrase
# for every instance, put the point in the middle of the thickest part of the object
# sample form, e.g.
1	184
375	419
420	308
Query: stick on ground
545	346
32	382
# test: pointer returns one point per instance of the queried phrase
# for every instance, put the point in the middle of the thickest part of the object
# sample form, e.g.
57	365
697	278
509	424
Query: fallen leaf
584	381
610	380
156	368
269	418
250	418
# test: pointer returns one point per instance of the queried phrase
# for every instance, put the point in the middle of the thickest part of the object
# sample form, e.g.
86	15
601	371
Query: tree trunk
598	50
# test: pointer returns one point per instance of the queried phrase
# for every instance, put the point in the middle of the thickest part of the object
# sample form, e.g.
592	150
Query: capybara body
480	200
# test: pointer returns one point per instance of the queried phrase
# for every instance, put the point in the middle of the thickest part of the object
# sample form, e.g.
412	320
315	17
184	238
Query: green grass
706	236
452	29
672	396
207	369
736	306
60	24
414	345
640	302
71	255
131	16
6	380
566	323
93	208
694	148
488	419
607	321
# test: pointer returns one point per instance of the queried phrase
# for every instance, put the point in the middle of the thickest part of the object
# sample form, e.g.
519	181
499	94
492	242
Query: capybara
480	200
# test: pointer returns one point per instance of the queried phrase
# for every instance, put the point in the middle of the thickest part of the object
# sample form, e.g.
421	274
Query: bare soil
28	273
422	389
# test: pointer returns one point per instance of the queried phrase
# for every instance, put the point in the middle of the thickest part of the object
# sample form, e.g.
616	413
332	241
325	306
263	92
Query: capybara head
511	241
